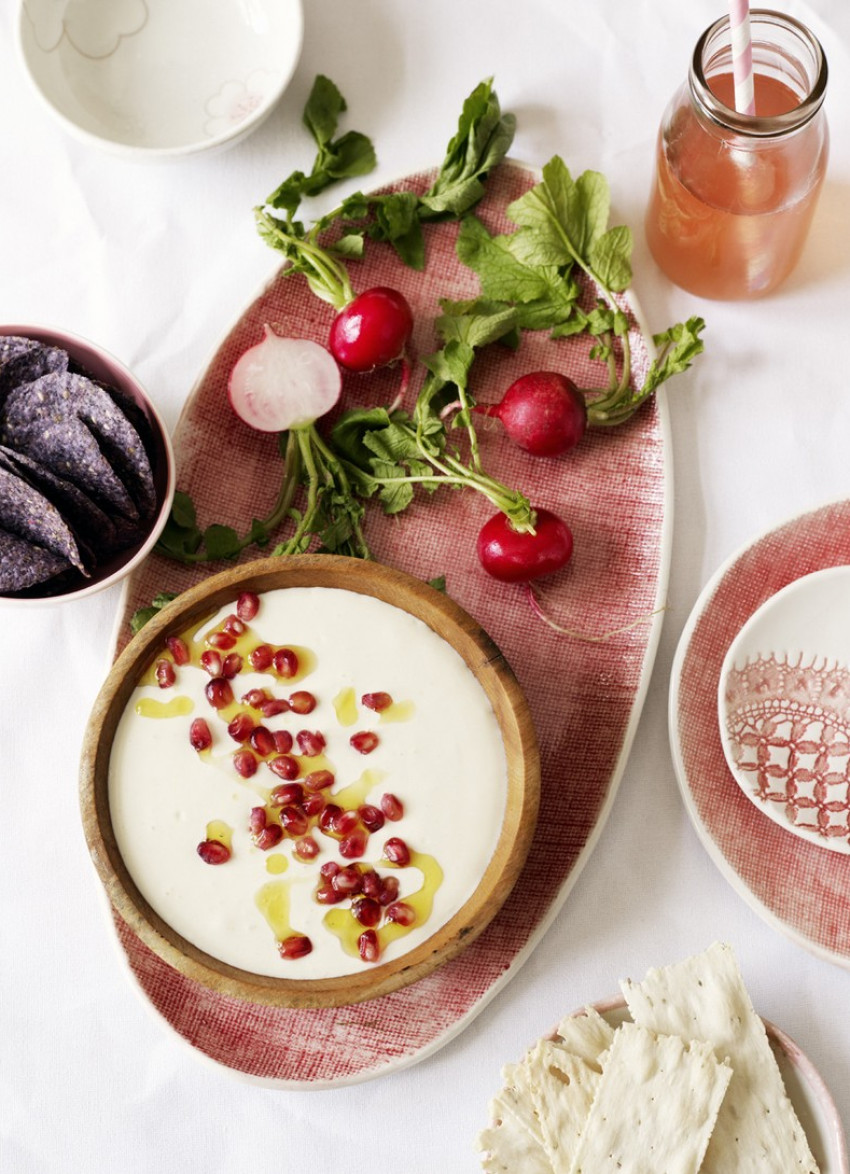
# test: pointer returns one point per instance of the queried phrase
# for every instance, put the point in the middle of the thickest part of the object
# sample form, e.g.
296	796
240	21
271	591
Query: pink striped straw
742	56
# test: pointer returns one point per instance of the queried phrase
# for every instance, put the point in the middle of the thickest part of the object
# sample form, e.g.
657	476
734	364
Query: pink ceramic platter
791	882
585	696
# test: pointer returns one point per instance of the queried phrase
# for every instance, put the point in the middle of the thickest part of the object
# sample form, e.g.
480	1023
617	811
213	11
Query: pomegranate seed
257	820
349	880
368	946
326	819
262	741
247	605
366	910
345	822
213	852
376	701
234	626
286	794
302	702
310	742
199	735
240	728
178	648
271	835
294	820
330	869
364	741
306	848
284	766
327	895
219	693
314	803
317	780
371	884
285	662
245	763
391	806
354	845
223	641
212	663
401	913
232	665
389	890
371	818
261	657
273	706
282	741
255	698
297	945
396	851
165	674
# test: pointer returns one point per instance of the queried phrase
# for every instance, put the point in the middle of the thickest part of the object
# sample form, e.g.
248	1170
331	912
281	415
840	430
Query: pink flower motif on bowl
236	101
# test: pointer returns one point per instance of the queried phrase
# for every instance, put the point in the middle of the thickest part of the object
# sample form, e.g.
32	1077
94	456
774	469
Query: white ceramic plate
784	708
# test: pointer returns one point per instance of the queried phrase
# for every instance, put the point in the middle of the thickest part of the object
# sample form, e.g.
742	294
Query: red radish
542	412
284	383
372	330
515	556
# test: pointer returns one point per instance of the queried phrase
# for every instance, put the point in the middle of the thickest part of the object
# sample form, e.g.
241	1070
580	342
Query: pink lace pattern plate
787	715
585	697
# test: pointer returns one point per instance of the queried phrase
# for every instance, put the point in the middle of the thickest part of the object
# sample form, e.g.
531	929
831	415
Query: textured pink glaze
791	881
582	695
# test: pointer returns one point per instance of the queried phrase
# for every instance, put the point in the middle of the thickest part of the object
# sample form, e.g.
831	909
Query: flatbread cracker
587	1035
655	1107
563	1086
704	998
507	1147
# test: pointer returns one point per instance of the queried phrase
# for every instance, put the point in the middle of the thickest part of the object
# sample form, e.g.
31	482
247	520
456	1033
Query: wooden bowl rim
484	659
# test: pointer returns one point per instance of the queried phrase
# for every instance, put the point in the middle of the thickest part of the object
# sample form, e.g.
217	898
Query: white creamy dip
444	759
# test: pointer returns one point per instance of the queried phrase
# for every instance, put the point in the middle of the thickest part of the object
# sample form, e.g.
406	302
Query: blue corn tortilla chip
24	564
36	420
24	359
76	396
92	528
26	513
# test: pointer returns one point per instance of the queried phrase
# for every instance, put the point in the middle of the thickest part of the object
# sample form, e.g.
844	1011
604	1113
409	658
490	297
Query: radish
542	412
372	330
517	556
284	383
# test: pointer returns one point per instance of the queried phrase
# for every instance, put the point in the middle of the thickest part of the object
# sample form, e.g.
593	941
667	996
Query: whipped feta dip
439	752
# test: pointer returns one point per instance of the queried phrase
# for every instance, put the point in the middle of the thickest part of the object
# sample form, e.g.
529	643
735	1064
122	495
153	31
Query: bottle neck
784	50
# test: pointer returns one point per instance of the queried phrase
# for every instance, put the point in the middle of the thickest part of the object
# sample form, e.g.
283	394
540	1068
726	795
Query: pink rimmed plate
585	696
794	885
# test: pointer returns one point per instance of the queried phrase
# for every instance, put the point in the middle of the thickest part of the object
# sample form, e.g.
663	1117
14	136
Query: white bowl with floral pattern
158	78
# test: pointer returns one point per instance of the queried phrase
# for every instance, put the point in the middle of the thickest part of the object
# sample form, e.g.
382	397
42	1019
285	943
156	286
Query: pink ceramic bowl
105	369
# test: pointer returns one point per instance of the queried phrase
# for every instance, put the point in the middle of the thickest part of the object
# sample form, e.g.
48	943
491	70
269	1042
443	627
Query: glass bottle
734	194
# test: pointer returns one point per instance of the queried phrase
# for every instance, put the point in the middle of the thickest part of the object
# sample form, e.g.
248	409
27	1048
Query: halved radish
284	383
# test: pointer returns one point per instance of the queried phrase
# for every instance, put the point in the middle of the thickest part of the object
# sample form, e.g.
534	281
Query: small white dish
784	708
158	78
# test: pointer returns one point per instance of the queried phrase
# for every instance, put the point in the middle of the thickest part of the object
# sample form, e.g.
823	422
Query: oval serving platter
585	695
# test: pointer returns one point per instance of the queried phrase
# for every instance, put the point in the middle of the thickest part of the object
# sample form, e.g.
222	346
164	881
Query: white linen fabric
155	262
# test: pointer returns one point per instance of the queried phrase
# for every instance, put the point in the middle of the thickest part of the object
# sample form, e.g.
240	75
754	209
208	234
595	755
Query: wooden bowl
496	679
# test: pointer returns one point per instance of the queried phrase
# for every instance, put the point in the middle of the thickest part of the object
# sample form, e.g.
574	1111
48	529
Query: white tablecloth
155	262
